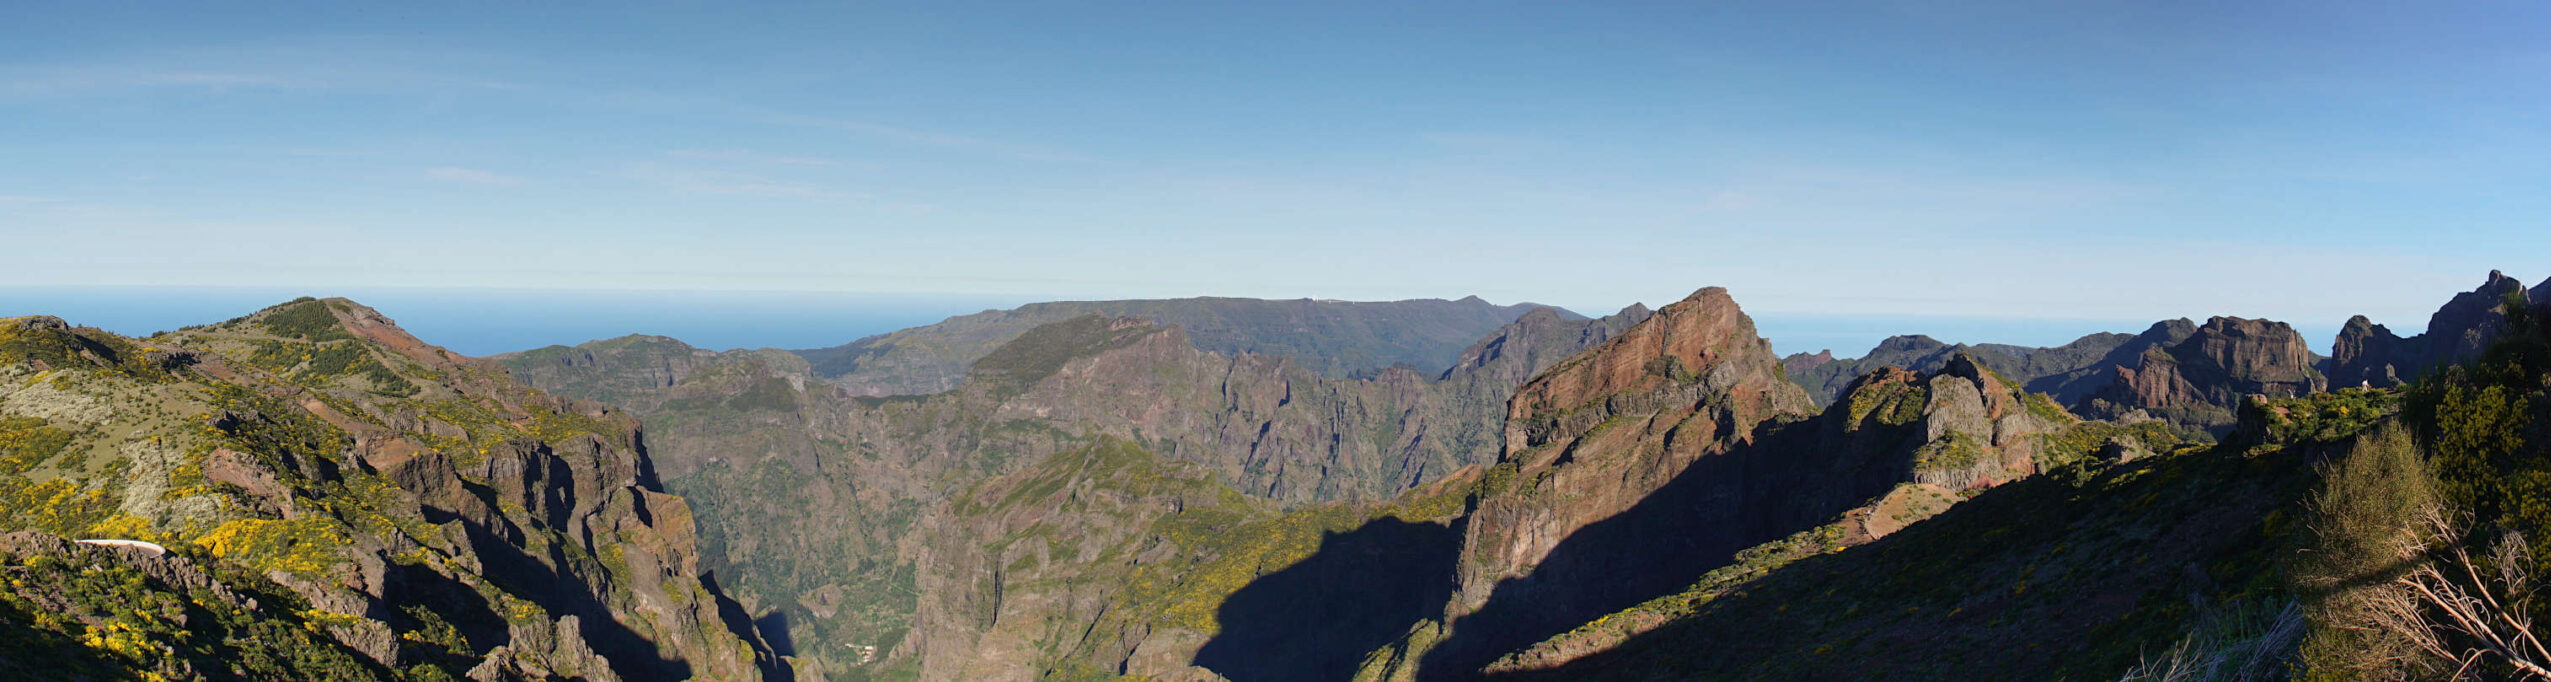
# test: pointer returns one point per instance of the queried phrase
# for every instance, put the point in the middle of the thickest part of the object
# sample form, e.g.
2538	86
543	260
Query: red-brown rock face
1700	348
1602	433
2198	381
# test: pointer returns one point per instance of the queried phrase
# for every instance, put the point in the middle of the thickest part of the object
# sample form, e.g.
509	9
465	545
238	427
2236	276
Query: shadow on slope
1789	479
770	631
427	594
2044	578
563	593
1316	619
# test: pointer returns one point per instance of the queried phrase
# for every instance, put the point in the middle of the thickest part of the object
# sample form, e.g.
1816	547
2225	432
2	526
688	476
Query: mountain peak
1907	343
1707	293
1705	339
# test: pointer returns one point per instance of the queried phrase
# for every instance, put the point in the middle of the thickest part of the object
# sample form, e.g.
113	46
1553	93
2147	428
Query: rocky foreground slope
331	498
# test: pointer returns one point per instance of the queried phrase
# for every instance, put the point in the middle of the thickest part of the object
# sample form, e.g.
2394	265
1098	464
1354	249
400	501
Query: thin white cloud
49	81
471	176
326	64
933	139
751	157
727	183
24	199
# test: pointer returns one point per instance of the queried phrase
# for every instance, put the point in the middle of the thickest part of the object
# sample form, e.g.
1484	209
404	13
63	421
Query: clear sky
2111	161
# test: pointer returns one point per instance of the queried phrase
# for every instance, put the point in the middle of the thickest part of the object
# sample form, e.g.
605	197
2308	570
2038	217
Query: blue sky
2093	161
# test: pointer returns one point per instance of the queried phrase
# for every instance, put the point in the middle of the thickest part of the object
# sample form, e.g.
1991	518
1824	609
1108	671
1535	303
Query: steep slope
2224	546
1604	429
437	520
2200	380
2080	575
2073	387
1105	560
1335	339
1648	463
1674	461
822	489
2368	354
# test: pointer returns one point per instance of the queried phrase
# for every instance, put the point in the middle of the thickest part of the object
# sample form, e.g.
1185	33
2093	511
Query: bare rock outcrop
2368	354
2199	381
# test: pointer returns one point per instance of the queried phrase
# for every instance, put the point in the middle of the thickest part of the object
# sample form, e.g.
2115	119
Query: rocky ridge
2070	372
764	447
1336	339
2368	354
2200	380
1682	428
435	518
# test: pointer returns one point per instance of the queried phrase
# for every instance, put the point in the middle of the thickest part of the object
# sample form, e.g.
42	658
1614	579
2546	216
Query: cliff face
2198	381
1025	573
430	511
2369	354
1595	437
1900	447
811	496
2465	325
1595	429
1634	469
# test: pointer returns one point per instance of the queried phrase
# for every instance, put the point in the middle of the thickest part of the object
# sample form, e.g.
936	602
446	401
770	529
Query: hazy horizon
488	321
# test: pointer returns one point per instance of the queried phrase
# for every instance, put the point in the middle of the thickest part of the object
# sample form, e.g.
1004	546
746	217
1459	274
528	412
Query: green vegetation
1042	351
303	318
33	341
1896	403
1952	452
2043	407
2071	575
2367	511
247	469
304	547
318	364
1335	339
2082	441
2475	478
63	618
1750	564
35	493
2323	417
2483	424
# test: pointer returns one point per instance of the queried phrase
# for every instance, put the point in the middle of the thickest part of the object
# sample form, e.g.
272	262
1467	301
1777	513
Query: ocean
490	321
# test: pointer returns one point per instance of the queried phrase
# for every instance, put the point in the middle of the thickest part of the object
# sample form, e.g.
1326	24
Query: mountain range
1233	489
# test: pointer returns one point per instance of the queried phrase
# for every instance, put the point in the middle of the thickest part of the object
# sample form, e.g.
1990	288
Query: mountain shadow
1789	479
2051	577
1316	619
562	593
770	631
425	594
